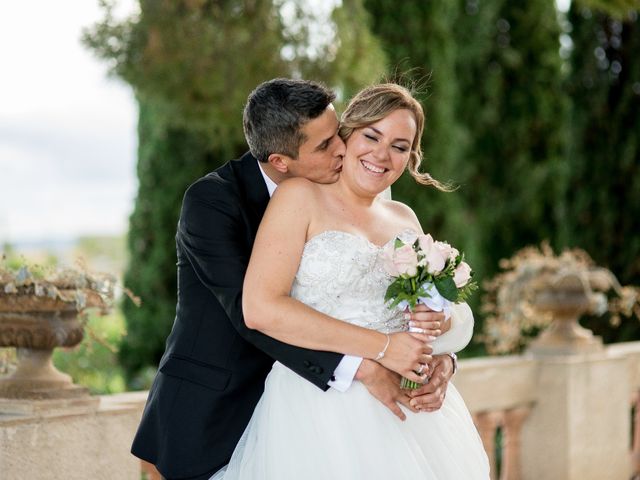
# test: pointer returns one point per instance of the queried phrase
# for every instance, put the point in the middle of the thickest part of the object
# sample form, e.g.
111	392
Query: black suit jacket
213	370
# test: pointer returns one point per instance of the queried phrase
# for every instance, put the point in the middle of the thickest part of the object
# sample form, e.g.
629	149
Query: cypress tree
428	61
192	64
495	116
603	194
516	123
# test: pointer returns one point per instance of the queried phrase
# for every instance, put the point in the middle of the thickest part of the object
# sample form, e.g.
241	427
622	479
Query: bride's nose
381	152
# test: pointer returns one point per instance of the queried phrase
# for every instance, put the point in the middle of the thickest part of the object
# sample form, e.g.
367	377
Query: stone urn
35	325
564	298
38	314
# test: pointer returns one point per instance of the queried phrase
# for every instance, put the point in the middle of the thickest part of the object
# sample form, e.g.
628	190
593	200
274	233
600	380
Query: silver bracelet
380	355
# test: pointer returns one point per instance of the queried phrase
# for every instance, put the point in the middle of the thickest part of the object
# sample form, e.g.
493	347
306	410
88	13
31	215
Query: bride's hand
424	320
408	354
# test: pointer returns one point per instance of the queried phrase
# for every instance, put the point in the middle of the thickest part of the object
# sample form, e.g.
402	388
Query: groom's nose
339	148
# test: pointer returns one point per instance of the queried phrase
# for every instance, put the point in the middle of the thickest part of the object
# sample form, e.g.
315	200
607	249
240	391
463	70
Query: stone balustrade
551	417
559	417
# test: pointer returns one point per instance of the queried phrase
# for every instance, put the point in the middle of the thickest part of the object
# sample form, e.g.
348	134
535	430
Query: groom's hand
430	396
384	385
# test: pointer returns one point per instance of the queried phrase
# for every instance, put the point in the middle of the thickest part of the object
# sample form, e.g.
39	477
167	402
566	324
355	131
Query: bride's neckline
324	233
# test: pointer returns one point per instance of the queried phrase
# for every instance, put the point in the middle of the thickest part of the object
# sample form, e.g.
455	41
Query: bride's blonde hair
376	102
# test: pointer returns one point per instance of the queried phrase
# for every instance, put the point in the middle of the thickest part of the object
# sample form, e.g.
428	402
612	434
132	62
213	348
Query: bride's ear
280	162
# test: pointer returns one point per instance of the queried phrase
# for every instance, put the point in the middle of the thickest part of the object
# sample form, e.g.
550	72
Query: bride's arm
268	307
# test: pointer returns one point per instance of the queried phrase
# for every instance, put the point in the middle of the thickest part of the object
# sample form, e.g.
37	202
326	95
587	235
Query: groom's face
320	155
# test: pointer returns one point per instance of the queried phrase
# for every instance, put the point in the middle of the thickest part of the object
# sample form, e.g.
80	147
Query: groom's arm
213	235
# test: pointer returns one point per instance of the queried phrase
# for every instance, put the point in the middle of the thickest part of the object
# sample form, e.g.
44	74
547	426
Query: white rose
405	260
387	260
462	274
446	249
433	253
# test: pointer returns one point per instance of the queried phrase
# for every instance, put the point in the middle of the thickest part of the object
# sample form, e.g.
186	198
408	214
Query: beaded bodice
341	274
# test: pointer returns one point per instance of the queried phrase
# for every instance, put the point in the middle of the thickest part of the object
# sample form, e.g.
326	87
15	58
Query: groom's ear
280	162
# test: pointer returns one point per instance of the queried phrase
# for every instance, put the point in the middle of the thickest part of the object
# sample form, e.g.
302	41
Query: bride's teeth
372	168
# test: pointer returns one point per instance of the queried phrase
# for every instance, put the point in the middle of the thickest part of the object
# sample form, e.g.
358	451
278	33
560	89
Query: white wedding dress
300	432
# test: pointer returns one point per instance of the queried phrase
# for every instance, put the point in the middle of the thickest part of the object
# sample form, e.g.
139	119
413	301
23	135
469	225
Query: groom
212	373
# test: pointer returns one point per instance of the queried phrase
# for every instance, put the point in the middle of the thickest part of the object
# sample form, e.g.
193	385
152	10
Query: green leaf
393	290
447	288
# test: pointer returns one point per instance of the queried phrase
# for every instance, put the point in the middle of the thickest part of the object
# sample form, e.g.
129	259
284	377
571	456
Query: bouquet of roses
429	272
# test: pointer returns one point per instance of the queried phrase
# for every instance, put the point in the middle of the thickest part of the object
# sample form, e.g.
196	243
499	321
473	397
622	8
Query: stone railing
552	417
559	417
500	392
70	439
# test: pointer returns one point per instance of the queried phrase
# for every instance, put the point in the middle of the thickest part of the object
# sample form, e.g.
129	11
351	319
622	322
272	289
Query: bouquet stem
407	384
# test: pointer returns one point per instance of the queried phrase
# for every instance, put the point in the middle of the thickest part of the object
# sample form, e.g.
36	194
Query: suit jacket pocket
209	376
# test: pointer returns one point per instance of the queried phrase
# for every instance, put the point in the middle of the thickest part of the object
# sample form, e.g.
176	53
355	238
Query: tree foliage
603	190
192	64
428	62
514	109
495	111
542	143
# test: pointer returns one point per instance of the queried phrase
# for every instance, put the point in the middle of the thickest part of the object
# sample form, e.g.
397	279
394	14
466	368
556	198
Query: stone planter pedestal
35	326
565	301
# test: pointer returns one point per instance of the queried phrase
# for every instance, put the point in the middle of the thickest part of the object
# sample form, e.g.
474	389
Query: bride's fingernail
430	338
411	324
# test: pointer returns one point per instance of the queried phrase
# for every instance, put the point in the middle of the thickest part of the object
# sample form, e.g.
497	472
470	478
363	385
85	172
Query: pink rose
387	260
446	249
434	253
405	260
462	274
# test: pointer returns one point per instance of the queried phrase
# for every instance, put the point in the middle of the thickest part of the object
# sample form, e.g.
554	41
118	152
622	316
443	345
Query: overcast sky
67	132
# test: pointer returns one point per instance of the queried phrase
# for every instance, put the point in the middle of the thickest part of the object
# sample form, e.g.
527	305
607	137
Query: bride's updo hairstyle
375	103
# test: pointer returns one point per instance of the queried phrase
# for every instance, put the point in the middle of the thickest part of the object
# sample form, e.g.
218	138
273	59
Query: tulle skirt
299	432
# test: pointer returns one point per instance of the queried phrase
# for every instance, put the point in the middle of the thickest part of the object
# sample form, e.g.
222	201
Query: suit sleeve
214	236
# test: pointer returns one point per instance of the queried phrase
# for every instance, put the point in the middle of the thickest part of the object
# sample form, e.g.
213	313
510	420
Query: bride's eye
370	136
400	148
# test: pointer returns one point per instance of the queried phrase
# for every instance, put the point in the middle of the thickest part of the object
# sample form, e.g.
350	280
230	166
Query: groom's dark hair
277	110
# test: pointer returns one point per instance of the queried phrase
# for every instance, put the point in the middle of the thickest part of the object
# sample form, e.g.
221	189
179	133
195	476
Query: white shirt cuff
344	373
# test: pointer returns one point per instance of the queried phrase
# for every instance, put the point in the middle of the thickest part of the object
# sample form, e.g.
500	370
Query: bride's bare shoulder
403	213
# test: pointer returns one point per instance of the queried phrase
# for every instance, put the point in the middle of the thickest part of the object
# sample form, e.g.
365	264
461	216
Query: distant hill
98	253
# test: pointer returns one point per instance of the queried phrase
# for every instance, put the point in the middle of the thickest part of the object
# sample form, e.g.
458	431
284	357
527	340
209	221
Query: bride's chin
375	190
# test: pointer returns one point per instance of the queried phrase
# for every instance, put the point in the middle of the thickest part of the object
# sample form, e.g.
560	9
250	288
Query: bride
321	245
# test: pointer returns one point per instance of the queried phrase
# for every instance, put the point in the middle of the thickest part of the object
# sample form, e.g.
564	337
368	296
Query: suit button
307	363
317	370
